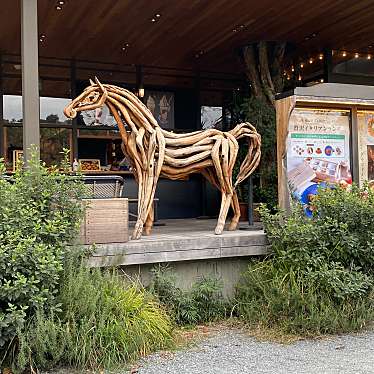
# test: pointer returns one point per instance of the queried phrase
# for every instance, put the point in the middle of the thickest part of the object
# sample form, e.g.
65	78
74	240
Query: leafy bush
320	278
280	298
102	324
39	216
262	116
203	303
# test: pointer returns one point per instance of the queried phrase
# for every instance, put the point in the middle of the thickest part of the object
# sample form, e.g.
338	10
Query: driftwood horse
154	152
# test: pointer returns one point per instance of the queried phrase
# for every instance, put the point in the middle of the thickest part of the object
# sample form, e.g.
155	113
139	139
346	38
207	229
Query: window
51	110
12	108
211	117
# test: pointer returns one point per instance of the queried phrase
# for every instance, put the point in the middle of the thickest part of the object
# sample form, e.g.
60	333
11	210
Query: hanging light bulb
302	65
357	55
368	57
321	80
310	61
288	77
292	69
344	54
320	56
141	92
299	78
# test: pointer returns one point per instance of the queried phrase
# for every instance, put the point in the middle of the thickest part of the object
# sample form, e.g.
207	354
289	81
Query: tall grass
102	324
203	303
284	300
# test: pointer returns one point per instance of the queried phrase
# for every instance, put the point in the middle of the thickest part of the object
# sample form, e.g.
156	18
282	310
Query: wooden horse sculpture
154	152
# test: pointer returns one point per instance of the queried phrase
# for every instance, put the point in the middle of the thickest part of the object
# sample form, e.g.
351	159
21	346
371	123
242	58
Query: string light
320	56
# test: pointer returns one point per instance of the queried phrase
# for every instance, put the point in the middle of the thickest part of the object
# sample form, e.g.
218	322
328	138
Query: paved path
232	351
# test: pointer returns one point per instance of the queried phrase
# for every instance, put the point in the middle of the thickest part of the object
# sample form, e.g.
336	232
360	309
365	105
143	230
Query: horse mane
136	109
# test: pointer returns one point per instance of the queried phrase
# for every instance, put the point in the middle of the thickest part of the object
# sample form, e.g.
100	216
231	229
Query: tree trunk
265	77
263	65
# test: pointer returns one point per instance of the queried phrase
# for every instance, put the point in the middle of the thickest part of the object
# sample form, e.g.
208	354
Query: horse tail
253	156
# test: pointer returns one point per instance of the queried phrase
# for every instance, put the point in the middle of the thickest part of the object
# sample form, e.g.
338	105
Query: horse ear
92	83
99	84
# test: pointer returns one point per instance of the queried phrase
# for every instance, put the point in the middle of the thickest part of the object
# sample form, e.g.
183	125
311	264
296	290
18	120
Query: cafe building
179	57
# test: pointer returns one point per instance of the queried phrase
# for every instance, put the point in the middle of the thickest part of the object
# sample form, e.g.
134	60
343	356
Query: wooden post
74	93
284	108
355	147
139	81
250	201
327	65
30	77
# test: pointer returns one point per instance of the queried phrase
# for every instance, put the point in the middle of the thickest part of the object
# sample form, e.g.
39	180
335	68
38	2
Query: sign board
318	151
325	136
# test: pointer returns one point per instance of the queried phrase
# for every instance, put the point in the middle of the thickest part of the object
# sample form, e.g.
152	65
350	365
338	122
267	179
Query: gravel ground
233	351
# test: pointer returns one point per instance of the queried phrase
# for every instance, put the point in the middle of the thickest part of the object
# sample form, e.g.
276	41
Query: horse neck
138	112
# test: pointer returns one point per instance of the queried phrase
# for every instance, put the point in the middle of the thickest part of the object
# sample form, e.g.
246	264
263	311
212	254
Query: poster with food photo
370	145
370	162
366	145
318	152
370	127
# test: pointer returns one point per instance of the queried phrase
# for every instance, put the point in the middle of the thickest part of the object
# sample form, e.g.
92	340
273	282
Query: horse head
94	96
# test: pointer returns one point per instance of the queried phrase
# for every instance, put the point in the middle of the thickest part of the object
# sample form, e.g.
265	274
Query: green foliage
103	323
39	216
285	300
203	303
262	116
321	275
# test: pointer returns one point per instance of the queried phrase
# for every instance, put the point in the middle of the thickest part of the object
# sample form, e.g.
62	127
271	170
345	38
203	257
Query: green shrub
203	303
103	323
271	296
320	276
39	215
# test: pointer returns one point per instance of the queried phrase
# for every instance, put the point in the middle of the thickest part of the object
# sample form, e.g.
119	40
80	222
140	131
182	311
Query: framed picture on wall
17	159
161	104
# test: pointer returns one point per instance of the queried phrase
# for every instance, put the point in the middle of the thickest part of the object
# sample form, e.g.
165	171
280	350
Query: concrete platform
182	240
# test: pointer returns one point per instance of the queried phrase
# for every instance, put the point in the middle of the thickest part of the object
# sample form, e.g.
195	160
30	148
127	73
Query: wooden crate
105	221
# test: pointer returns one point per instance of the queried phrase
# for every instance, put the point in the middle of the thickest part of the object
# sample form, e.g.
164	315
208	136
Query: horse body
154	152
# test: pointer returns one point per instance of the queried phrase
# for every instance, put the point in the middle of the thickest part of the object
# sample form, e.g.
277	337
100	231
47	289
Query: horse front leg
236	208
146	195
143	200
150	220
225	205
